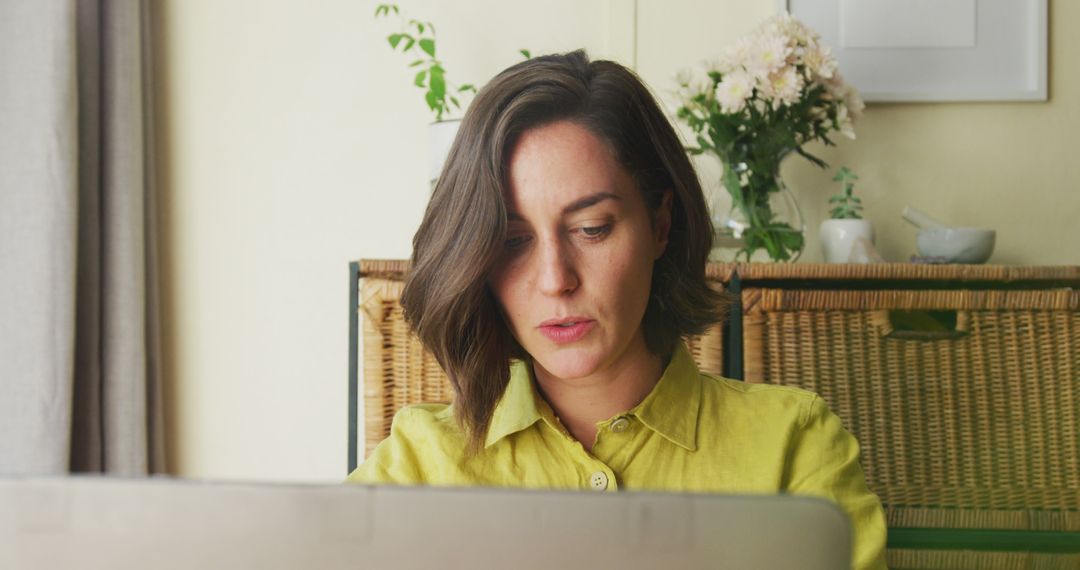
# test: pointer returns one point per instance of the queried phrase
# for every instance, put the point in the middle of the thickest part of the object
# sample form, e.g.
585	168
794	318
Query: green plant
414	35
418	38
845	205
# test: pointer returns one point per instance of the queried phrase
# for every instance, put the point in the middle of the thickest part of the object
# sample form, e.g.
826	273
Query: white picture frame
934	50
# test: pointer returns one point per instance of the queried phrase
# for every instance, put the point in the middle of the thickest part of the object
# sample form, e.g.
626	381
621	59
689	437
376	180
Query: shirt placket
592	473
612	436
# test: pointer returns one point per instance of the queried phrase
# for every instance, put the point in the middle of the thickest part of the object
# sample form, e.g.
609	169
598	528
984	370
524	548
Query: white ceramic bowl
956	245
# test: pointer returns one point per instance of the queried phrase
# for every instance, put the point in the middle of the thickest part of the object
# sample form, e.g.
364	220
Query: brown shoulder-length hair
446	298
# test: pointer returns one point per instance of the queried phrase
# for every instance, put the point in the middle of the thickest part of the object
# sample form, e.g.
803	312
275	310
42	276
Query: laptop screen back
118	524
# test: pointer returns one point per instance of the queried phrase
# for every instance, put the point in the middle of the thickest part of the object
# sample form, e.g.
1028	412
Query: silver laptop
147	524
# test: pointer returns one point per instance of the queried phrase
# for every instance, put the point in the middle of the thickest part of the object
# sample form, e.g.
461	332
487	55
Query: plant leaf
455	102
394	40
428	45
438	83
431	100
408	45
792	239
419	81
416	63
526	53
467	87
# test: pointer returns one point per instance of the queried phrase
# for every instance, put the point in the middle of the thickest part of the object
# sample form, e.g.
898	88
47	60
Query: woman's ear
662	224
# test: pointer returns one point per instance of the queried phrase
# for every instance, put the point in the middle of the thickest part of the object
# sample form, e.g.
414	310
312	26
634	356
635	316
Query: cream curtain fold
80	382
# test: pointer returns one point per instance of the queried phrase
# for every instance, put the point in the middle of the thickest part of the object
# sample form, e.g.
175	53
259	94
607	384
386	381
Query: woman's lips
566	332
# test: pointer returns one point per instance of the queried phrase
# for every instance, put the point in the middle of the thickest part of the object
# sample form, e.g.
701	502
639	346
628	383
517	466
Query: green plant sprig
846	205
418	38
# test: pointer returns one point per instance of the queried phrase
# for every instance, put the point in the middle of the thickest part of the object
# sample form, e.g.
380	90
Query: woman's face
574	278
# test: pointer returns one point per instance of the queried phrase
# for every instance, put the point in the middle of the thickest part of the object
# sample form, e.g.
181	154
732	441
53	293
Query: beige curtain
80	387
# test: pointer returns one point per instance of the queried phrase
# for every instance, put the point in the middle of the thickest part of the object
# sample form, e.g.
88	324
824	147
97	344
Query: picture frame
935	50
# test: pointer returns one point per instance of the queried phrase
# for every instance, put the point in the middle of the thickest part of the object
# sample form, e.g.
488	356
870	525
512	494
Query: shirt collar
518	408
671	408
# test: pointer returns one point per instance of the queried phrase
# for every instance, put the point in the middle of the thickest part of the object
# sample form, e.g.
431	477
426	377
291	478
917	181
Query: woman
561	259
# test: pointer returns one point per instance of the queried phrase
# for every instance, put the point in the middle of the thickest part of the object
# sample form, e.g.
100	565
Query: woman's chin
568	364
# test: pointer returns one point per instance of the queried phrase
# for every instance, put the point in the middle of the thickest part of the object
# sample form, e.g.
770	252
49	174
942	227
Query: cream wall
292	141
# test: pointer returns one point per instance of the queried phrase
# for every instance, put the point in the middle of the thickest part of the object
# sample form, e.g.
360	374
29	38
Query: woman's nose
557	272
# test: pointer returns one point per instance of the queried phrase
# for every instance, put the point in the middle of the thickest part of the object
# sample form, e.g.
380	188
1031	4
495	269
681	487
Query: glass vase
760	220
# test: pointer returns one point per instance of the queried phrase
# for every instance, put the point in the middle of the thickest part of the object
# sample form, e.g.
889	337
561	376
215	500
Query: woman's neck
580	403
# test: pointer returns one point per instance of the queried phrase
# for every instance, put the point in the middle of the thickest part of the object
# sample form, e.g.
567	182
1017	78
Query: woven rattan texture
397	369
977	430
898	559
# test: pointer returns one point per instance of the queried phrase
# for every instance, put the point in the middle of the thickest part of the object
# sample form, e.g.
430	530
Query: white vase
838	237
440	138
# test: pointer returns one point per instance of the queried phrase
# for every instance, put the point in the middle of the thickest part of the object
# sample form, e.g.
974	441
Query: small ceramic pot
839	236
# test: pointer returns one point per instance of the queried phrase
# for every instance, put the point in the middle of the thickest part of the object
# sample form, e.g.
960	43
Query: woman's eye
514	242
596	231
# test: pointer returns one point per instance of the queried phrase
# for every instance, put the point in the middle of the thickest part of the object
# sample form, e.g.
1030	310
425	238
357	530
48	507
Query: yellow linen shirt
694	432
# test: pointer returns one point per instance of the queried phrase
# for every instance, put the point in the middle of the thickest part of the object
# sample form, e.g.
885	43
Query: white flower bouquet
769	94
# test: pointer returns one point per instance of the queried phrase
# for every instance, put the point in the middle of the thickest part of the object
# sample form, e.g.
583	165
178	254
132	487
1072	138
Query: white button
620	425
598	481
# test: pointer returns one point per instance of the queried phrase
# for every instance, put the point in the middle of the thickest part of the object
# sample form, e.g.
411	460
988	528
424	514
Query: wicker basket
976	429
969	420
